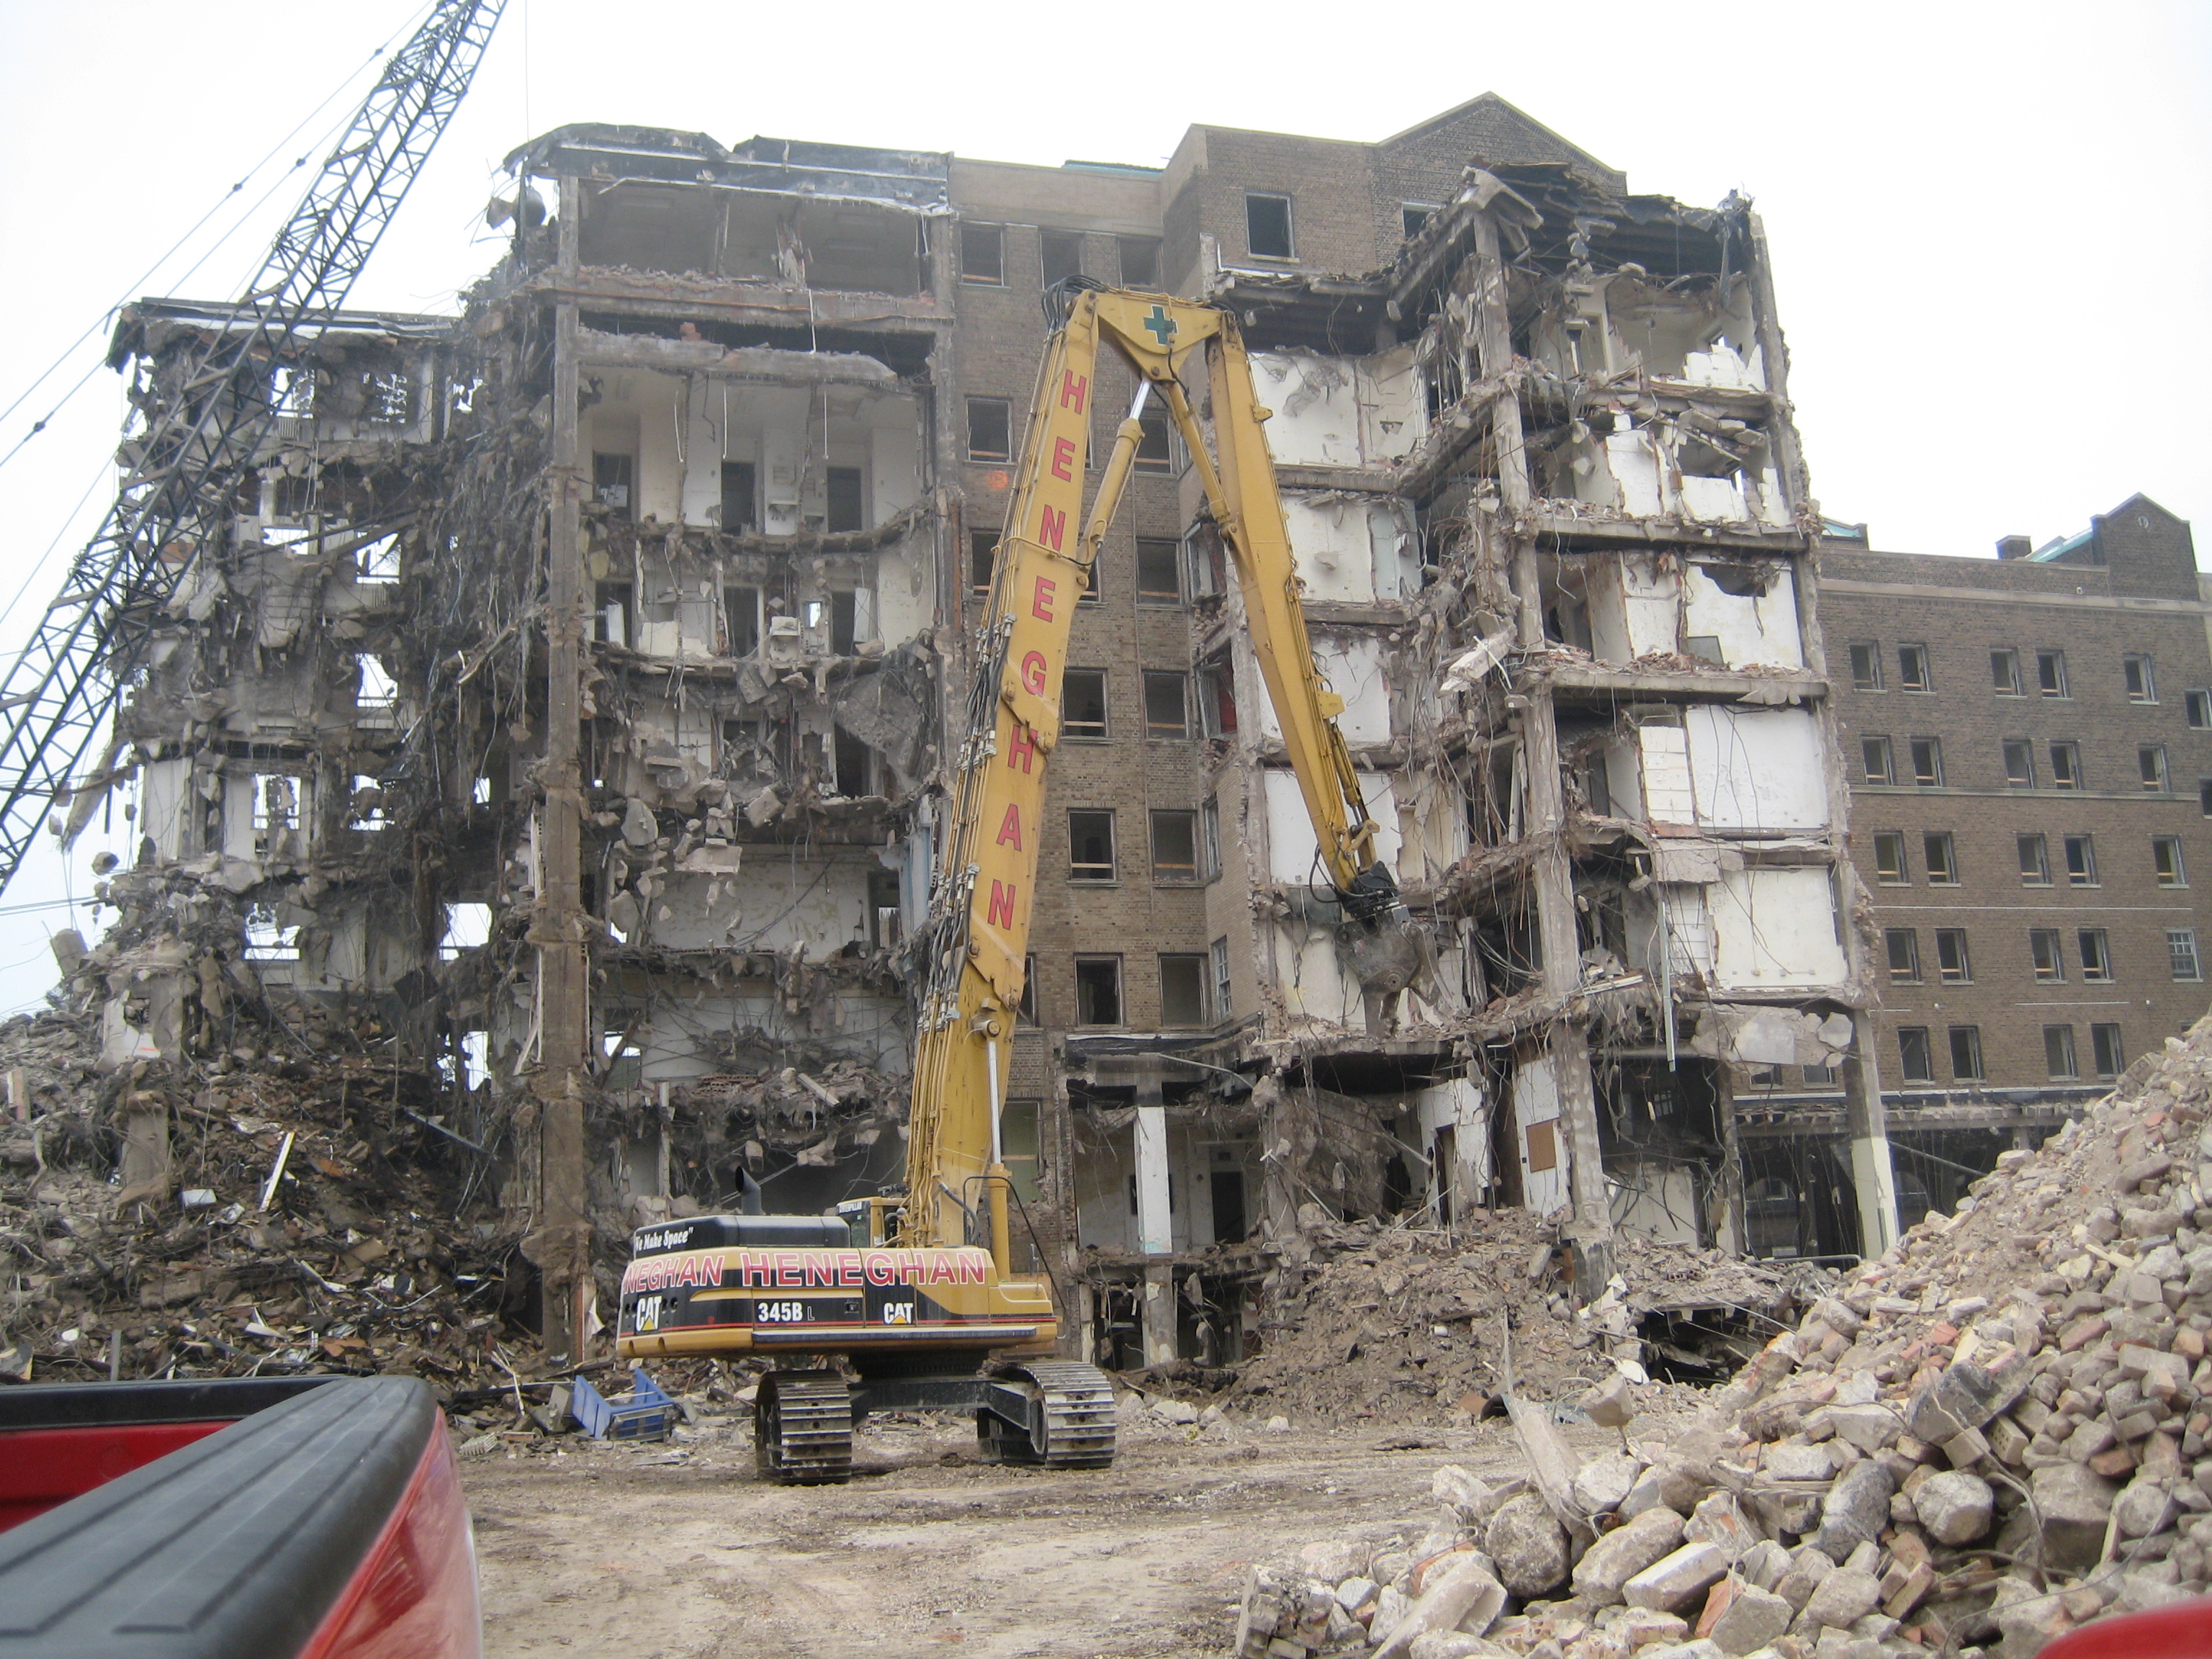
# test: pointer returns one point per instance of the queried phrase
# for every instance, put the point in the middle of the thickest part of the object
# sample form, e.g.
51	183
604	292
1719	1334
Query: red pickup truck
312	1518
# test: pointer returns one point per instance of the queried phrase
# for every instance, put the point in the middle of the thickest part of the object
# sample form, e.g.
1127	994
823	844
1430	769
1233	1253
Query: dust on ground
594	1549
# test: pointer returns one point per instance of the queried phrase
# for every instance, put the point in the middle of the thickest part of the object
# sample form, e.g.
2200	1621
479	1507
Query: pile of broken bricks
1999	1429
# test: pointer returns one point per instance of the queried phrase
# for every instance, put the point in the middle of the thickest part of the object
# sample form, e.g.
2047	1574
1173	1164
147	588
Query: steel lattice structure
175	502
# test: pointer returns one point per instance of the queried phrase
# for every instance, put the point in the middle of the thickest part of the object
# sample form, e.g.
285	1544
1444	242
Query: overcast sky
1989	223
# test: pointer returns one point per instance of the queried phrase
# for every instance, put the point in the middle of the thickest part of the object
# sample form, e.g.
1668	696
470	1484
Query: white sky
1989	222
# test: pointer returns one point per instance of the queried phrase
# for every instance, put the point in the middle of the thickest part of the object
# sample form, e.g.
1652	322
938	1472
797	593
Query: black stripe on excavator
710	1232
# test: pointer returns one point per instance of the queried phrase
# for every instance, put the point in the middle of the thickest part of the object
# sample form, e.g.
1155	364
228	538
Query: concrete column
560	1242
1867	1122
1155	1226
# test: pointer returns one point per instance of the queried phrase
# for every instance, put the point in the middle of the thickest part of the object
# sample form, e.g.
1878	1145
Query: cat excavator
915	1293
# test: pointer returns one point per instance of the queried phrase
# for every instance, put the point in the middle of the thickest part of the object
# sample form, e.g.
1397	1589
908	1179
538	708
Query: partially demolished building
567	715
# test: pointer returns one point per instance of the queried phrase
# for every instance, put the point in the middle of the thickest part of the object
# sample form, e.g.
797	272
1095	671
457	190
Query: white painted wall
1291	845
1668	793
1754	768
1536	1101
1775	927
1761	629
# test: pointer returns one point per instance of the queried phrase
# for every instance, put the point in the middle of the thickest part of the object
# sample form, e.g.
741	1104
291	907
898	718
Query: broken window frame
2182	958
984	414
2140	677
2059	1060
1094	973
1912	670
1169	872
1413	218
1966	1046
1878	760
1901	949
852	764
266	939
1939	853
982	254
1078	682
2168	863
2034	850
2046	956
1085	822
1889	867
1253	229
2092	949
1192	963
2111	1049
2051	674
1916	1054
2004	672
1954	962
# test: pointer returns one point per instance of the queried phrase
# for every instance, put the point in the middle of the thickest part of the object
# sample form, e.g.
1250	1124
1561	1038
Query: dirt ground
679	1552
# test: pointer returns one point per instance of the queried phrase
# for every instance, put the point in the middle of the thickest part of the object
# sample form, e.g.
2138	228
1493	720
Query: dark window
2181	951
1159	572
1874	756
1028	1003
2142	684
1913	667
983	253
1942	853
982	555
2095	950
2111	1057
2081	861
1183	990
611	483
738	497
1090	846
1219	953
2058	1052
1140	260
2019	763
847	502
2051	673
2004	672
2199	705
2204	796
1099	990
1414	218
855	766
1167	705
741	614
1154	451
1268	226
2166	859
990	429
2045	950
1967	1053
1174	845
844	622
1866	666
2065	766
1953	966
2150	766
1914	1060
2034	862
1082	704
1889	859
1063	255
1903	945
1928	763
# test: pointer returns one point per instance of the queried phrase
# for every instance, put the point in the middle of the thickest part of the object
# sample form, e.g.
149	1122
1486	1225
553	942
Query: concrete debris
2041	1360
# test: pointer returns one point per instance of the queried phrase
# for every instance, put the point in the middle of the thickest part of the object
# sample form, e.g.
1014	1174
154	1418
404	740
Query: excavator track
802	1429
1074	1427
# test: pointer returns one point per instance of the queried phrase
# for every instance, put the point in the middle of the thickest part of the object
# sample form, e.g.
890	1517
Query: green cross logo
1161	326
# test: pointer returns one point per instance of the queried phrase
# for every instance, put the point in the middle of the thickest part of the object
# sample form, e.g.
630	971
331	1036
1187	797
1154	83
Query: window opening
2112	1056
2141	683
1183	990
1267	226
2065	766
1889	859
2045	950
983	254
2019	763
2004	672
1174	845
990	429
2051	673
2150	766
2034	860
1082	704
1903	945
1874	757
1866	666
1915	1061
740	497
1941	852
2081	861
1061	252
1967	1053
1099	990
1090	846
2058	1052
1928	763
2166	859
1159	572
1953	966
845	502
1913	667
2181	949
2095	950
611	483
1167	706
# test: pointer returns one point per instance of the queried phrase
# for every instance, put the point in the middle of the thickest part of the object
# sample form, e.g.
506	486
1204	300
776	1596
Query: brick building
654	581
2030	740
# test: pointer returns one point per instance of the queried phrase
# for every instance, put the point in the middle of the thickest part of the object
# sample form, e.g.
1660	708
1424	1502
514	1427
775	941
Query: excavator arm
981	934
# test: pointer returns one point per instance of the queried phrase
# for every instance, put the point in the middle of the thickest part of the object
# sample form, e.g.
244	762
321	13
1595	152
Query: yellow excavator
915	1293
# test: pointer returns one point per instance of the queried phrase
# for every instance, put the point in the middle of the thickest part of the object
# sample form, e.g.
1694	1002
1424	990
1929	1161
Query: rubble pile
1996	1431
272	1219
1402	1326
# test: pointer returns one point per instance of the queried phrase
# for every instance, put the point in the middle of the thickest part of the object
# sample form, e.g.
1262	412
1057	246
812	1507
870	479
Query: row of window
1916	1053
2138	676
2092	953
1878	764
1185	844
1194	988
1160	573
983	257
991	436
1939	854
